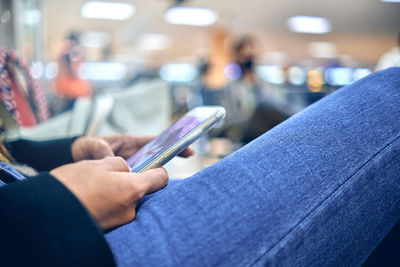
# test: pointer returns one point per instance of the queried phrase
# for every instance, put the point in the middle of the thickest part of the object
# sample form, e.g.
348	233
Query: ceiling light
192	16
306	24
107	10
391	1
154	41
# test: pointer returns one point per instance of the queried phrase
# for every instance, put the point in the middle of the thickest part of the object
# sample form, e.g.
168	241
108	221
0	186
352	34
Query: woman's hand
123	145
107	189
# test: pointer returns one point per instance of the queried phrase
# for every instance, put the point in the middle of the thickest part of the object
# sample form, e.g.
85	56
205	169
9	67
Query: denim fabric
320	189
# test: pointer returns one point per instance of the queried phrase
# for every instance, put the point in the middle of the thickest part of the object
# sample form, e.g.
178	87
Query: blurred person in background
391	58
68	84
245	88
241	96
251	113
20	94
245	55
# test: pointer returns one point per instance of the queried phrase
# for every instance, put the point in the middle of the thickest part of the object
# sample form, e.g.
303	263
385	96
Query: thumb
114	164
152	180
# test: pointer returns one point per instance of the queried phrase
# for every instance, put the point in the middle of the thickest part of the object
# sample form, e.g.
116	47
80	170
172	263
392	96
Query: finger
187	152
125	145
141	141
118	141
90	148
116	164
101	149
152	180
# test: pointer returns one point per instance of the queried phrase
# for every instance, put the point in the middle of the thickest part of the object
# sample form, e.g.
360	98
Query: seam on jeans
328	197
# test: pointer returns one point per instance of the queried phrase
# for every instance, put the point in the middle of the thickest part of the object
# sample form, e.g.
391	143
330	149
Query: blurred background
103	67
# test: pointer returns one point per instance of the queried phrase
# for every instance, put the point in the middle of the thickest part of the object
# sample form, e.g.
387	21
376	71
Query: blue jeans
322	188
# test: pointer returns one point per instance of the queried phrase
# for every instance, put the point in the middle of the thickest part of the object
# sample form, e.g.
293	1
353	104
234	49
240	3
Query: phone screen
168	138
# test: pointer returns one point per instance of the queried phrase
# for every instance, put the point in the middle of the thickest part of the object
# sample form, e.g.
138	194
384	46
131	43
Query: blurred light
306	24
154	41
51	70
271	74
102	71
107	10
315	80
391	1
94	39
339	76
233	71
322	50
192	16
361	73
178	72
297	76
37	69
6	16
31	17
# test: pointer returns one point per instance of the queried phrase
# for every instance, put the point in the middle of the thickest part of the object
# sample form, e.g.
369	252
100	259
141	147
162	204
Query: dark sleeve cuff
43	224
42	155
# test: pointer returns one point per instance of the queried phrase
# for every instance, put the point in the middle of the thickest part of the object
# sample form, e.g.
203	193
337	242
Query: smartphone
176	138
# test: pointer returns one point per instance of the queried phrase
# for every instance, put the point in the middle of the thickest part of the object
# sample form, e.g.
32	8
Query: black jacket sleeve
42	155
43	224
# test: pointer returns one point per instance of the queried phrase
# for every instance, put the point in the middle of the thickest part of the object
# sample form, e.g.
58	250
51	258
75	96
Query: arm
42	155
54	218
53	221
50	219
47	155
42	222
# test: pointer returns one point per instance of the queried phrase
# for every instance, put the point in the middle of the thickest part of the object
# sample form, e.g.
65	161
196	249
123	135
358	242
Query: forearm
42	155
44	224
